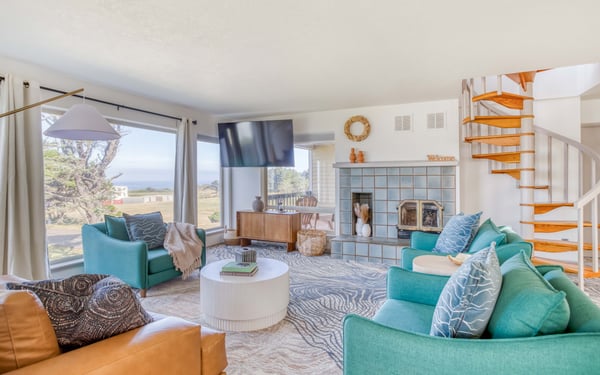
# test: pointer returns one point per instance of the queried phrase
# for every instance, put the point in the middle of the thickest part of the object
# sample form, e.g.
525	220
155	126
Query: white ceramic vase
366	230
359	226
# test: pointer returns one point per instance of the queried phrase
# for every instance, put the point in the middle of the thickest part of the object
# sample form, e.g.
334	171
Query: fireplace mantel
395	164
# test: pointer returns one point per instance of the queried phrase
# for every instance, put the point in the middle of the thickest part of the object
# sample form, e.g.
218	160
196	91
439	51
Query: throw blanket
184	246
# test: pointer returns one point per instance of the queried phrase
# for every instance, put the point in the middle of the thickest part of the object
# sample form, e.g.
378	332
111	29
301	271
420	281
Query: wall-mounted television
257	143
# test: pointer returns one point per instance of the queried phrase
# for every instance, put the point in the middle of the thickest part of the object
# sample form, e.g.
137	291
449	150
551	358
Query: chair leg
143	293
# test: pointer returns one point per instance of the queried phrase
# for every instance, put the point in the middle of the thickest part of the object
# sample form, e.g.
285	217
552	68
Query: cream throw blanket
184	246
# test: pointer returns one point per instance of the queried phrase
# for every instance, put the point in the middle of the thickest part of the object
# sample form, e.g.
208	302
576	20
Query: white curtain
22	217
186	189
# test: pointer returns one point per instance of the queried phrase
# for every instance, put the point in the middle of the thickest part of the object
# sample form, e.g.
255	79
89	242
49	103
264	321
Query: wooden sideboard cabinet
268	226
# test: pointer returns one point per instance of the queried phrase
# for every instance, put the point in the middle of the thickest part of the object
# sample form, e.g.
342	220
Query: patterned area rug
309	339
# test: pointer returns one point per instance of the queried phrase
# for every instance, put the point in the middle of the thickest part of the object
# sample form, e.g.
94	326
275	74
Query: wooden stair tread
557	246
505	157
569	267
522	78
507	99
555	226
506	122
538	187
514	172
497	140
542	208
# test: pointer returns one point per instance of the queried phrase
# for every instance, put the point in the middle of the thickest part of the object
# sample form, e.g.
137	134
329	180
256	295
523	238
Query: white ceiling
282	56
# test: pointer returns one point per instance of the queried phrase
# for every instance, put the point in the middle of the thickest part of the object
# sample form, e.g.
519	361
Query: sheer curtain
22	215
186	189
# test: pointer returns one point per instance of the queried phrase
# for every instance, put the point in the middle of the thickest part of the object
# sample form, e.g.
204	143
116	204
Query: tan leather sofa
168	345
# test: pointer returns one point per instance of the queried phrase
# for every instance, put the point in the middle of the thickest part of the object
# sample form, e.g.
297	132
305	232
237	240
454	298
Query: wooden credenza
268	226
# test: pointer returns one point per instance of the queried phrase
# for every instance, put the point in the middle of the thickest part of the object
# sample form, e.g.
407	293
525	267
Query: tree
76	185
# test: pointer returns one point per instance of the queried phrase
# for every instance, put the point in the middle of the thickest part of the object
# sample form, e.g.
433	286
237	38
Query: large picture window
84	180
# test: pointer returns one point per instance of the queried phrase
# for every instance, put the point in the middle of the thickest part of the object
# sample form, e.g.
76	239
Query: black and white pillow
87	308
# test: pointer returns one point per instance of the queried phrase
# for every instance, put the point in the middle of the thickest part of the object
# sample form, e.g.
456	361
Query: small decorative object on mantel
433	157
352	156
361	157
365	132
258	205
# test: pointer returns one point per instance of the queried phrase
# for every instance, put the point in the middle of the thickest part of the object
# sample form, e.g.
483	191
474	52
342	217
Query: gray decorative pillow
87	308
468	299
149	228
457	234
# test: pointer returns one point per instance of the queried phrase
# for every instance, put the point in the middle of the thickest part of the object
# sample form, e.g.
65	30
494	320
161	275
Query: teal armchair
422	243
131	261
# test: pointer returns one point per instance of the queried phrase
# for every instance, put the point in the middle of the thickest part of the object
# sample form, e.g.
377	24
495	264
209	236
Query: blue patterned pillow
149	228
457	234
468	299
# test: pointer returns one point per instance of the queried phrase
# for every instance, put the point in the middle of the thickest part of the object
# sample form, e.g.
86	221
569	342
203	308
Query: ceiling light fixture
80	122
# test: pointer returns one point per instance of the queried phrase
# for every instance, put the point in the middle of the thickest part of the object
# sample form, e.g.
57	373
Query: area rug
309	339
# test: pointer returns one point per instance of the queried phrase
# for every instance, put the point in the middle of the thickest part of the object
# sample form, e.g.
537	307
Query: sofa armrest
167	346
127	260
414	286
409	254
423	240
372	348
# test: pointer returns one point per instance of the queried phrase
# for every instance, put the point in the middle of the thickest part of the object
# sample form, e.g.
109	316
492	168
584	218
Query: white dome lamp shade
82	122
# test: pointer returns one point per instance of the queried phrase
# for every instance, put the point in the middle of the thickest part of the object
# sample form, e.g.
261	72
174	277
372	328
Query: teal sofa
131	261
508	243
397	340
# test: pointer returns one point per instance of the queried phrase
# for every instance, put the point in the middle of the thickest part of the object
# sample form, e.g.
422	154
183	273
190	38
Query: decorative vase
359	226
366	230
258	205
352	156
361	157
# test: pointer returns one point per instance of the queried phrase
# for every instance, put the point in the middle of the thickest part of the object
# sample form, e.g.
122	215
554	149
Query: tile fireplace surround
388	183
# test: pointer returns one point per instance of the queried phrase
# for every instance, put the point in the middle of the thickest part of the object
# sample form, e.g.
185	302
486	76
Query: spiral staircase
555	176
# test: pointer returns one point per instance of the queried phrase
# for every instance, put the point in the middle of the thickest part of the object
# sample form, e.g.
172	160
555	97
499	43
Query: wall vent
436	120
403	123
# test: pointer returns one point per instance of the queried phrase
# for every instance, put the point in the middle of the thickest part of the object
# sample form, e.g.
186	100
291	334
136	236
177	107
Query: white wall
590	112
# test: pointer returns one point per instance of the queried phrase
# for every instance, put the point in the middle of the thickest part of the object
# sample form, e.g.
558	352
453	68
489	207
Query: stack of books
239	269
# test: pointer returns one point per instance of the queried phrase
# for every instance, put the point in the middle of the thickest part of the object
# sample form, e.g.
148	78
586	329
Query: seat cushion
487	233
528	305
159	260
87	308
457	234
405	315
149	228
468	298
26	334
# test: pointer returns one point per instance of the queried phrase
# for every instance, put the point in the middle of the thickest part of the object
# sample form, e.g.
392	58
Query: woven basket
311	242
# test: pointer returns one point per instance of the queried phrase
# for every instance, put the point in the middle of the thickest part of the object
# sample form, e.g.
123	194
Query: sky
146	158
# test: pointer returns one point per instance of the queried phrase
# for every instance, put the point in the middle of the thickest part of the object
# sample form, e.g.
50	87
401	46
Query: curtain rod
116	104
110	103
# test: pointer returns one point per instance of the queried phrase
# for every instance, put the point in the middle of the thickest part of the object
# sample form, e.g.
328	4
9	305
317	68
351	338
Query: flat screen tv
257	143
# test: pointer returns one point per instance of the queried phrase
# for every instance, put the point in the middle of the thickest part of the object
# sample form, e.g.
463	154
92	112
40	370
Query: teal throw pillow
468	298
457	234
149	228
115	227
487	233
528	305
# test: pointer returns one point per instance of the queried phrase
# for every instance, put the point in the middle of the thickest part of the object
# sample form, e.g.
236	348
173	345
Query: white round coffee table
245	303
434	264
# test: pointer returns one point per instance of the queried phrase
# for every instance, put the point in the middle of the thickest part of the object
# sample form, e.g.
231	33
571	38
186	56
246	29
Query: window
209	185
314	177
84	180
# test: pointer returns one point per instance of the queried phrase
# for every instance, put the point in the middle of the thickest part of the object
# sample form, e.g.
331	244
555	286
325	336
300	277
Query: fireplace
418	214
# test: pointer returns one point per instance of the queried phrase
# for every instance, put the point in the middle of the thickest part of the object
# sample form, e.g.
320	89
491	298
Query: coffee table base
245	325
